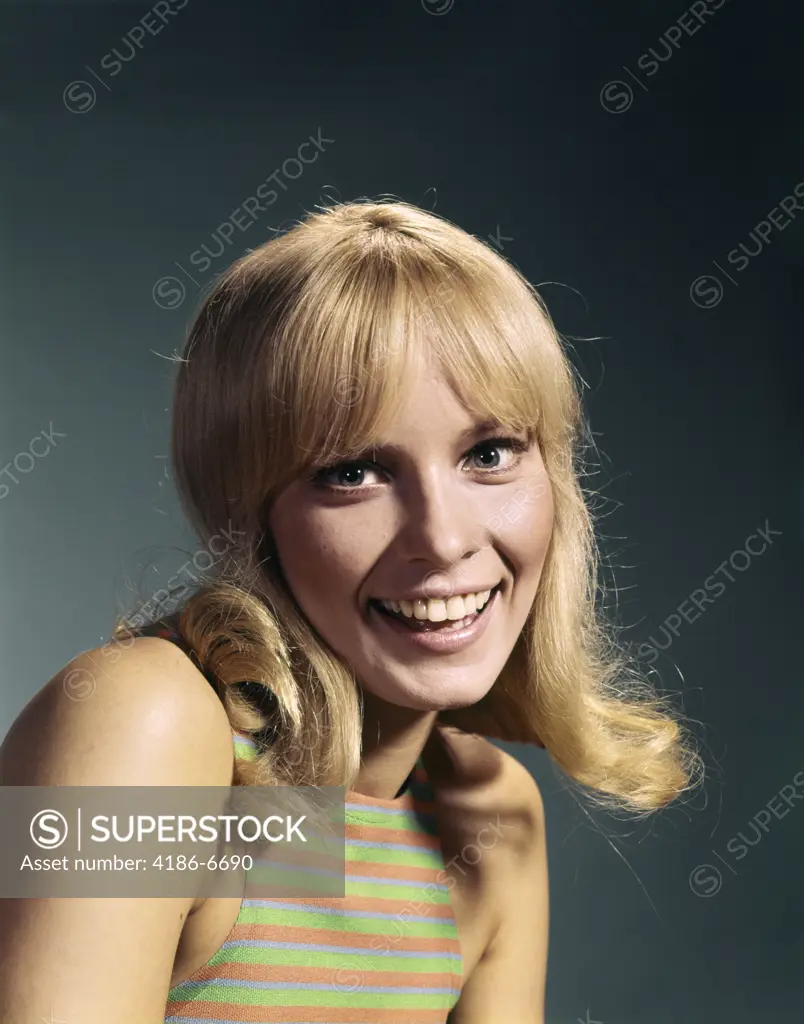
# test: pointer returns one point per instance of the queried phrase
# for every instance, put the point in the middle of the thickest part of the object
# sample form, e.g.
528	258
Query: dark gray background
490	113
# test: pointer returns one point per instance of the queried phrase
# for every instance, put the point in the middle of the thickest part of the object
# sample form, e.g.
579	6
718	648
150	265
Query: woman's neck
393	739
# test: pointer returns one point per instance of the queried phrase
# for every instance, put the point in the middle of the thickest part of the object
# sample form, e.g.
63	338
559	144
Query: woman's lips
438	639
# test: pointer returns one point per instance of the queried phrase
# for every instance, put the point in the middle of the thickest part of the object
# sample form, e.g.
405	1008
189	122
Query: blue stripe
398	811
364	844
310	908
406	883
295	868
206	1020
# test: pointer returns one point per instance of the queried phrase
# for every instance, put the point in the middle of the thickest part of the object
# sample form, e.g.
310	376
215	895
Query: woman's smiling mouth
428	624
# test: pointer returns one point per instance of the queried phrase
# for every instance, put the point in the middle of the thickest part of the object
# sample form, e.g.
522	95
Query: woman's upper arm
508	984
146	718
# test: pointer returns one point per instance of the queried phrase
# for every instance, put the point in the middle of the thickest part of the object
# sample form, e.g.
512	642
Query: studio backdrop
644	166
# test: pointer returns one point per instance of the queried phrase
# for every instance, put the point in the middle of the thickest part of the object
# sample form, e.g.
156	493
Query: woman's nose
442	526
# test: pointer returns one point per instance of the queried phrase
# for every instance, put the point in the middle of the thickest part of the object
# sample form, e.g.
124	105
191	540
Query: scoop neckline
405	798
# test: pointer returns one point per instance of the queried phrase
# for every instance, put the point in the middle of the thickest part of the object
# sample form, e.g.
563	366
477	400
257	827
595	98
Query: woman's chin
435	701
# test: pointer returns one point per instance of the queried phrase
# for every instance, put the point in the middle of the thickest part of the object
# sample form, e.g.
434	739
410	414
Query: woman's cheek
326	554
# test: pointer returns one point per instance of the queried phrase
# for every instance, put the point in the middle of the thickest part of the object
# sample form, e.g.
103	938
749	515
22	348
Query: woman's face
437	511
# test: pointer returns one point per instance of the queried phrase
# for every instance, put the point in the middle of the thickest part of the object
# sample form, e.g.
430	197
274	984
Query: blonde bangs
488	336
337	364
369	324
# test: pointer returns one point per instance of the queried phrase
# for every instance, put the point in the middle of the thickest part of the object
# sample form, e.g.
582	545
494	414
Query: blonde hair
296	357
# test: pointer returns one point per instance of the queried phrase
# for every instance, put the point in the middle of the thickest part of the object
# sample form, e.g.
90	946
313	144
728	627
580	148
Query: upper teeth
438	610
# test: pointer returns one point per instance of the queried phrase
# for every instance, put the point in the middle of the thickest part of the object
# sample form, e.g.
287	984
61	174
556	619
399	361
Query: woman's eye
352	476
347	476
513	446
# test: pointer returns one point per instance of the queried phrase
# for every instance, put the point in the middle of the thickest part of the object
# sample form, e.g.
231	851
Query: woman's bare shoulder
134	715
139	713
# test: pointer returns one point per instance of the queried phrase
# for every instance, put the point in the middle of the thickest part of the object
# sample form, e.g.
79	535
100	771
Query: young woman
376	423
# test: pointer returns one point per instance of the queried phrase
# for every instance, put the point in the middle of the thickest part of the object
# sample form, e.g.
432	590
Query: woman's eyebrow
478	429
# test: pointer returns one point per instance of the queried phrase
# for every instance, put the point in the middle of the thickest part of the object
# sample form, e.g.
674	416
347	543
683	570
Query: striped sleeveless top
386	953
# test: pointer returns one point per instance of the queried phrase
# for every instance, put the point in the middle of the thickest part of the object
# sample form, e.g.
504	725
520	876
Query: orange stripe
352	973
290	894
298	858
383	904
380	834
311	1014
327	937
376	869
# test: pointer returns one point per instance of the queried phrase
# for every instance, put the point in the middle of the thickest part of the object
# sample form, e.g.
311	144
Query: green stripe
341	926
412	893
297	885
330	997
401	858
372	960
